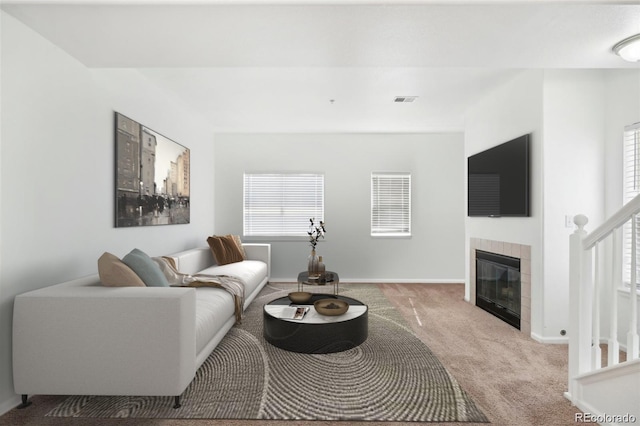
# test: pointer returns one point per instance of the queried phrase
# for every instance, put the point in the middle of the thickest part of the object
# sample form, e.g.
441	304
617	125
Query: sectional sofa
83	338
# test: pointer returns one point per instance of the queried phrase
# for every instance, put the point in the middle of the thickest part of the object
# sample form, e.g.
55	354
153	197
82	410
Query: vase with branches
316	232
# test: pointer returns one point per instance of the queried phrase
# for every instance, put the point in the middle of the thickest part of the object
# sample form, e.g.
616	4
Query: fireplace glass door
498	286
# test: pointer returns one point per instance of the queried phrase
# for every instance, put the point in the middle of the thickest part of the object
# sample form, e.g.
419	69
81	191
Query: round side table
327	279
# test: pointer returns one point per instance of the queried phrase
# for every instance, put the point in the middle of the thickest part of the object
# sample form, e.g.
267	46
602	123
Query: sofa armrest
94	340
258	251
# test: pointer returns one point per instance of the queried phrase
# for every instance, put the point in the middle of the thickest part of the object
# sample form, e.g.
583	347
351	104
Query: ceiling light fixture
629	48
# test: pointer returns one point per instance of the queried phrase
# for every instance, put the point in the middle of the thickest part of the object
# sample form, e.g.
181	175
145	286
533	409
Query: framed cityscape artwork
152	177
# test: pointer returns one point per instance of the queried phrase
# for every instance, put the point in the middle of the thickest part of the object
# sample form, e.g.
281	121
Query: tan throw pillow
114	273
224	249
238	241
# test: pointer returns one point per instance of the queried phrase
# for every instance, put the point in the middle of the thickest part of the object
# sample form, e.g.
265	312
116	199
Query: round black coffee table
315	333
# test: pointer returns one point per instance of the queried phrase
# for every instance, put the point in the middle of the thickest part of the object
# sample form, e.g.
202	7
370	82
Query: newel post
580	304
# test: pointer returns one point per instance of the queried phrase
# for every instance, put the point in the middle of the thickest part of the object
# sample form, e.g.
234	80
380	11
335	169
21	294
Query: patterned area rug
392	376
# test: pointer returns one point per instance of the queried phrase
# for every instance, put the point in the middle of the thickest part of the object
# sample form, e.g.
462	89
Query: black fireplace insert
498	286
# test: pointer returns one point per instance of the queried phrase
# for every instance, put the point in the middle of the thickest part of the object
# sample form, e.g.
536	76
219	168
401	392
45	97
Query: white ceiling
262	66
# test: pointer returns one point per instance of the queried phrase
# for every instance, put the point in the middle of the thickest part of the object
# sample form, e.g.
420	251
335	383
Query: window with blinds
391	204
631	189
281	204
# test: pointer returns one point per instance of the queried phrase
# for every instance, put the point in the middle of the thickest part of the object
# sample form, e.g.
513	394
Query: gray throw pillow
148	271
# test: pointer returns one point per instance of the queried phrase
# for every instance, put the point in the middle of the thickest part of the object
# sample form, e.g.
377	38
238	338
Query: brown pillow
114	273
224	249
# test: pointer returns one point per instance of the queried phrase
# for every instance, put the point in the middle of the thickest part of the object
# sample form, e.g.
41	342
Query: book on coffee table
294	312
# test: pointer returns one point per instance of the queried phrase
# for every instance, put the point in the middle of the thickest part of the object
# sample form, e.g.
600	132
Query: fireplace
498	286
518	251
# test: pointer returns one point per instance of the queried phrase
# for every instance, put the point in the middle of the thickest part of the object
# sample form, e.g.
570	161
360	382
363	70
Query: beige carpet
513	379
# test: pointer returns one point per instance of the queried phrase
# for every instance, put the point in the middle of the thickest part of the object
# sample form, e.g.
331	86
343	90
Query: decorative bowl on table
331	307
299	296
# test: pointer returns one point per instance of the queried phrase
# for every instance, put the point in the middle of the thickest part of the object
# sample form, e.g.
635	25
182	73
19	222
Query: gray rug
392	376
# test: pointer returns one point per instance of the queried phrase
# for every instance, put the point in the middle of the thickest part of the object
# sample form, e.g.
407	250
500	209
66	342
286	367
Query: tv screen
498	180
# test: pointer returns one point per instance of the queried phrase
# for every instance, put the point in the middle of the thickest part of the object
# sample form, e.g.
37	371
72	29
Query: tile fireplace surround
519	251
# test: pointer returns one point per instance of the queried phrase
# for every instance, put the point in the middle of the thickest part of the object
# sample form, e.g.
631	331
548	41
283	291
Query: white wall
436	161
622	109
512	110
573	178
57	175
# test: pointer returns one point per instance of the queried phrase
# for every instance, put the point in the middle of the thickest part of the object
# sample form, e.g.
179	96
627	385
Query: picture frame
152	177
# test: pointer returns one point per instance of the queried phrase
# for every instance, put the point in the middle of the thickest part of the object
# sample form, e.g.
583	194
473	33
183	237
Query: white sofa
82	338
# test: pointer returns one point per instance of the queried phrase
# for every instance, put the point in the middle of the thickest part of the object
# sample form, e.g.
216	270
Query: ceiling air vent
404	99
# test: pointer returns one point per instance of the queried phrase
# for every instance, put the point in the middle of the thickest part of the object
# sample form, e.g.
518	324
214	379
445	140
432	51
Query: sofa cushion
225	249
214	307
252	272
148	271
114	273
194	260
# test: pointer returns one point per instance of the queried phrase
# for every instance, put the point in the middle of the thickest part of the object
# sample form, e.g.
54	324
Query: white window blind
390	204
281	204
631	189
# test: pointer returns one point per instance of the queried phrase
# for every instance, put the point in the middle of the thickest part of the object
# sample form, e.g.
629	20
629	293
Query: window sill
626	292
276	238
397	236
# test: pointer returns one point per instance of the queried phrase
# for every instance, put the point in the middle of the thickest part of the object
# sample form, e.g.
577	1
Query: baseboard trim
404	280
10	404
550	340
581	405
383	280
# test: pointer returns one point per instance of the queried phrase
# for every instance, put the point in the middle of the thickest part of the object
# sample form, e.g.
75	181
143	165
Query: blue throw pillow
148	271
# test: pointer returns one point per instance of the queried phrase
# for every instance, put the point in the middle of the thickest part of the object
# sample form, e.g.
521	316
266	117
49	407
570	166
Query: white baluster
596	352
632	335
613	344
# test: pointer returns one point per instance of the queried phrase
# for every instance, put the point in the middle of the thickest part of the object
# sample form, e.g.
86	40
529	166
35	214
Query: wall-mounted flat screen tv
498	180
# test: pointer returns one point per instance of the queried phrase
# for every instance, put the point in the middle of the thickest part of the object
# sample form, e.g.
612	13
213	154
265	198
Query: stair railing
587	284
